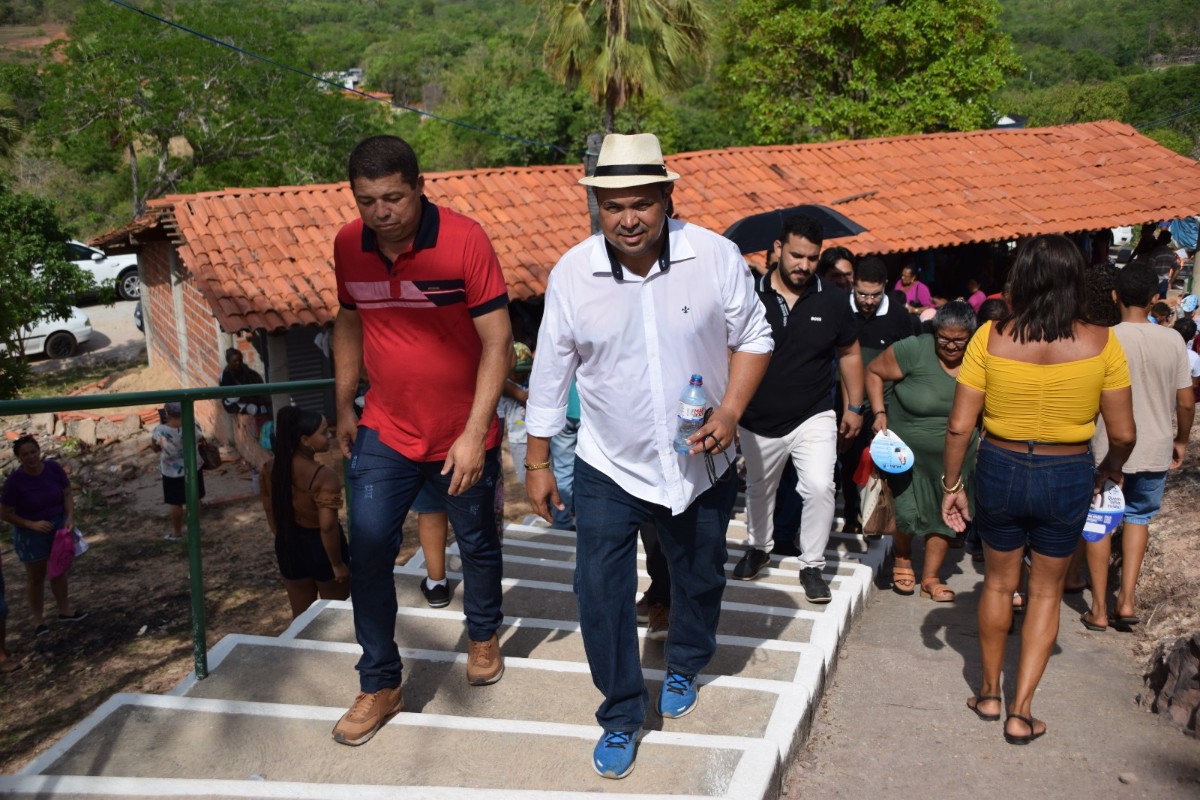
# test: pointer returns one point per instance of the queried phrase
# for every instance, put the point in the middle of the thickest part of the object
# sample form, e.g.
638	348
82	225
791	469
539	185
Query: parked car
57	338
119	268
137	317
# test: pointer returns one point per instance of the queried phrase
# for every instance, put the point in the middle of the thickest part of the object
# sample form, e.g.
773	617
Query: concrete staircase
259	725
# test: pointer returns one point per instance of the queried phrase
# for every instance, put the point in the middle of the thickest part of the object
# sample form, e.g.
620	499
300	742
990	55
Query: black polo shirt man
880	316
791	416
882	319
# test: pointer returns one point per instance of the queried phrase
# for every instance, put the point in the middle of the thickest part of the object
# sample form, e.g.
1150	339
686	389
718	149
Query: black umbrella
760	231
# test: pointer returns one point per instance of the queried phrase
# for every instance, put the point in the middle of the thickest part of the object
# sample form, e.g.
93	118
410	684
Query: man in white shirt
632	313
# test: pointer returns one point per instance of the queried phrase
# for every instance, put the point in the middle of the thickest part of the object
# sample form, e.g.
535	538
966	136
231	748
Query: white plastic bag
81	545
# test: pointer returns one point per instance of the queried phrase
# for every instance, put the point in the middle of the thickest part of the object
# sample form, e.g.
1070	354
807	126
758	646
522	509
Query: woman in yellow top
1039	375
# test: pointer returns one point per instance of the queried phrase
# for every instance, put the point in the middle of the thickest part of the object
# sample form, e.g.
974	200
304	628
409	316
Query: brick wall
184	337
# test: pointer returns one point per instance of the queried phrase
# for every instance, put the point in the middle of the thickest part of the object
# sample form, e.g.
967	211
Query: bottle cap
696	379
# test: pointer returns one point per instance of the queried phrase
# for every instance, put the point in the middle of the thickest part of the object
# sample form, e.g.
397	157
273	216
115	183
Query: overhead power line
266	60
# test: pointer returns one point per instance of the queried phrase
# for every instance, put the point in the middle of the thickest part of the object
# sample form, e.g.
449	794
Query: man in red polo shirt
425	310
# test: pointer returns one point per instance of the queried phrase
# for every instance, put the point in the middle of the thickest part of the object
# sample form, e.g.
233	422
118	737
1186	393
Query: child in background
1160	314
512	407
302	499
167	441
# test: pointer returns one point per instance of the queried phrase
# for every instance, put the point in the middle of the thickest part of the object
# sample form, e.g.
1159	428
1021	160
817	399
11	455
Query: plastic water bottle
691	413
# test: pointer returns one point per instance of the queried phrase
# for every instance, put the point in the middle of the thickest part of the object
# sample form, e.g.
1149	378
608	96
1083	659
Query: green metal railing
186	399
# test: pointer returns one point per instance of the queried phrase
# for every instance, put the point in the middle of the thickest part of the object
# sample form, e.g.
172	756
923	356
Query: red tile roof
263	256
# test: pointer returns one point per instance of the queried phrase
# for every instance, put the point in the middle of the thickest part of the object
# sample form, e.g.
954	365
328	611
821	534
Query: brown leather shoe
656	628
485	665
368	714
643	610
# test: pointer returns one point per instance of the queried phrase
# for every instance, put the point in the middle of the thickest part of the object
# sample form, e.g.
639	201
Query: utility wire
1154	123
340	87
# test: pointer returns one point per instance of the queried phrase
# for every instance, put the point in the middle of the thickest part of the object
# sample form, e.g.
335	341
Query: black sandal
979	698
1011	739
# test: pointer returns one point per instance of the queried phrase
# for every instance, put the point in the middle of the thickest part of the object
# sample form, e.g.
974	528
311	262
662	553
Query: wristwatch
858	409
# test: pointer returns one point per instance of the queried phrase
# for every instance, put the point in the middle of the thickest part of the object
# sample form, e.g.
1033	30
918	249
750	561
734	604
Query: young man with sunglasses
882	319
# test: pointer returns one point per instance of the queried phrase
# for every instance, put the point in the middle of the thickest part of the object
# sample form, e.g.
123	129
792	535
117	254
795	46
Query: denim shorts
33	546
1026	499
1143	496
428	501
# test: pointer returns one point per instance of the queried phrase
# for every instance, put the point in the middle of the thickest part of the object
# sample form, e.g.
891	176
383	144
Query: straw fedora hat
629	160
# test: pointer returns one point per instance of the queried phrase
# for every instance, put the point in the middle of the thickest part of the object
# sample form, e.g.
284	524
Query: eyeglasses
868	295
951	344
710	465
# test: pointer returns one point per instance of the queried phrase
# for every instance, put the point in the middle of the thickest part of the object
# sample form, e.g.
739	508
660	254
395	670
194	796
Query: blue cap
1188	303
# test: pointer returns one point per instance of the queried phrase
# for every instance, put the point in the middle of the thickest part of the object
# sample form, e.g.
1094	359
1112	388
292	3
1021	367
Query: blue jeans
1022	498
382	486
562	456
693	542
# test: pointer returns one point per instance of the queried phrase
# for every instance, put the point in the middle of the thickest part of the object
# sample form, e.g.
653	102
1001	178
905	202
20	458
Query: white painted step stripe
849	597
50	785
792	699
327	714
571	626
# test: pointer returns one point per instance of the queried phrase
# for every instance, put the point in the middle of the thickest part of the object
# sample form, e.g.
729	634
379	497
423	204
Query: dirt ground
134	586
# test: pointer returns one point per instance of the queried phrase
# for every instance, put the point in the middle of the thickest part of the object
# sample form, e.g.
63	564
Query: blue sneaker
678	696
614	754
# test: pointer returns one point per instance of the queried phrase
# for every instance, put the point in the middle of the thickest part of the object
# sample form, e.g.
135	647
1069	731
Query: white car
121	269
57	338
1122	235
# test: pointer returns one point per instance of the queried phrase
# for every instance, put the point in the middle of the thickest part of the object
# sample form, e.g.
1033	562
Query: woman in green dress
923	372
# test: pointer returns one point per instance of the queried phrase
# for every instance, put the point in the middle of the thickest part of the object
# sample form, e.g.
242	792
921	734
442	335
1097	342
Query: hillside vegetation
191	116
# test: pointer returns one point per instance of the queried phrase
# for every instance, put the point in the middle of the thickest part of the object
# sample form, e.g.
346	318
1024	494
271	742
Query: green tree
10	128
831	69
1066	103
618	50
36	280
499	86
184	114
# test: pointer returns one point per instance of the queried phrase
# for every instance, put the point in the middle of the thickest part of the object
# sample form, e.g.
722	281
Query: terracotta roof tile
263	256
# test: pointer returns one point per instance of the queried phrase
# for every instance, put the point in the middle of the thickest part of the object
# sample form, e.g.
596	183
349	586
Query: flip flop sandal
979	698
937	591
1018	608
1026	739
904	580
1086	619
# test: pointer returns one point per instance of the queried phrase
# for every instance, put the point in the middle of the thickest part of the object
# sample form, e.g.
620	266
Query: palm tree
621	49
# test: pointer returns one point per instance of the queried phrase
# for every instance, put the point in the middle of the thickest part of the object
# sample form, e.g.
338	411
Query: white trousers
812	446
